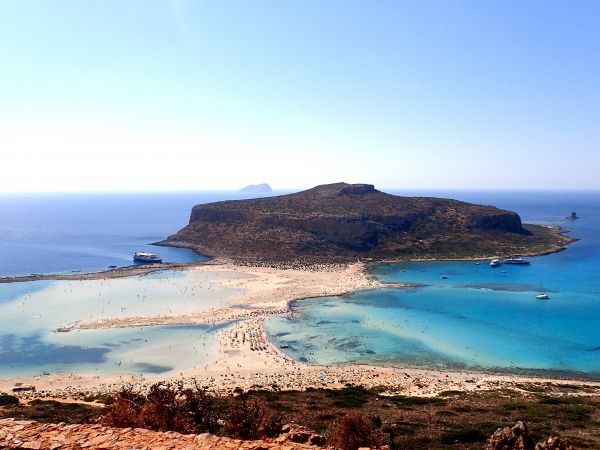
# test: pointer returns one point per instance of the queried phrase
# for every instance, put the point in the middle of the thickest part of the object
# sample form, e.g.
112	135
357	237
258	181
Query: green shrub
463	435
408	402
553	401
349	397
8	400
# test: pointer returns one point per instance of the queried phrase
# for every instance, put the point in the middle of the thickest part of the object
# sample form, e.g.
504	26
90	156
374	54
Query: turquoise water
479	317
31	312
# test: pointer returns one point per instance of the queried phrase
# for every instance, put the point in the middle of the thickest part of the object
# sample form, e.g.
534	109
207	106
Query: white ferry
145	257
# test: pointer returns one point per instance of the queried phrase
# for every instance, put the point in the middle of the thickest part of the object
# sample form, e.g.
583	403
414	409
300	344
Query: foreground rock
517	438
32	435
348	221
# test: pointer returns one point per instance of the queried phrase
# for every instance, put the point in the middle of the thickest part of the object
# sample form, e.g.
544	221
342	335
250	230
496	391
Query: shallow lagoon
479	317
31	312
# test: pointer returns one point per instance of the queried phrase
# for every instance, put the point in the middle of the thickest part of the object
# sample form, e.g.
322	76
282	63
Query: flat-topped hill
349	221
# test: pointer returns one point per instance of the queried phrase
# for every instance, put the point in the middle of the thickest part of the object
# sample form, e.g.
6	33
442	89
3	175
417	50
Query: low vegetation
347	418
8	400
192	410
49	411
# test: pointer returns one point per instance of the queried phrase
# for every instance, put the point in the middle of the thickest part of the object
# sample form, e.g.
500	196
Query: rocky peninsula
345	222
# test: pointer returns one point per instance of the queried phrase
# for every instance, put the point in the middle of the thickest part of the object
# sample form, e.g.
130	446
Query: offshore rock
572	216
356	221
257	188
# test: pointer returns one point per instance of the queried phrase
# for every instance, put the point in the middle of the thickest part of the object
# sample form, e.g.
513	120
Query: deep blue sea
479	317
48	233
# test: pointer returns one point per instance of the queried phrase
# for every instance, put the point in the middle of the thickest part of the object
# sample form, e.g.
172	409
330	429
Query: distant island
346	222
257	188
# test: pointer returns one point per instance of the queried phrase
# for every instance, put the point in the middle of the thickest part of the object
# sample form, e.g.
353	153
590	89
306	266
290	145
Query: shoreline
266	291
143	269
248	359
117	272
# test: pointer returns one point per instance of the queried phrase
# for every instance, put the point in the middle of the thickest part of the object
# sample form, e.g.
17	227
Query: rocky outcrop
555	443
33	435
298	434
349	221
511	438
517	438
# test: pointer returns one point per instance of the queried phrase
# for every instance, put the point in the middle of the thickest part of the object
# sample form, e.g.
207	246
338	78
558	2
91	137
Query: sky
113	95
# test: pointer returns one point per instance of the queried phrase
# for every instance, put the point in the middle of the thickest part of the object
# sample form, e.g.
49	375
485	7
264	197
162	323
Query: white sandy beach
248	360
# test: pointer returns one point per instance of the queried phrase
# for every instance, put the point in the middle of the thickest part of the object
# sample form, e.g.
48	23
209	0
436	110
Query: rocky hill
349	221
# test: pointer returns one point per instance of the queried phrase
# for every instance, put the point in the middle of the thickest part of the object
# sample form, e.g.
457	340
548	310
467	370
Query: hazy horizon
177	95
283	190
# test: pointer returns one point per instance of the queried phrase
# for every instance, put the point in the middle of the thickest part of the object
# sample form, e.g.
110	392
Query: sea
61	233
466	314
477	318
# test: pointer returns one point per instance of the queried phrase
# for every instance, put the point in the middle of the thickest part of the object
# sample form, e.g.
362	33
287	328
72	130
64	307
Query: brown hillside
349	221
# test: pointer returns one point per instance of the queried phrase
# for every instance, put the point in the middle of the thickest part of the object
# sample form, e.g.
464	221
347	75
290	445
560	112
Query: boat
516	260
444	277
22	387
542	296
145	257
284	346
495	263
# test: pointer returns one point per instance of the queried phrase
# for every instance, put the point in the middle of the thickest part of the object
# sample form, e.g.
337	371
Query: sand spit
266	291
248	360
119	272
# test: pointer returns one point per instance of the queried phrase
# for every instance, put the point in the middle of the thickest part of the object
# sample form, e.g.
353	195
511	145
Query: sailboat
542	295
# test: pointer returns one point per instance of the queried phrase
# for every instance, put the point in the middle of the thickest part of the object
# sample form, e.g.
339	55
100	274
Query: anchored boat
145	257
516	260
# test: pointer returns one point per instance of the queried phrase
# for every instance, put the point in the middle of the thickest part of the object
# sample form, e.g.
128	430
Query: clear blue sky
175	94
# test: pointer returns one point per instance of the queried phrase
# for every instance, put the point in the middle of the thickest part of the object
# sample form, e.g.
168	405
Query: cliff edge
348	221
